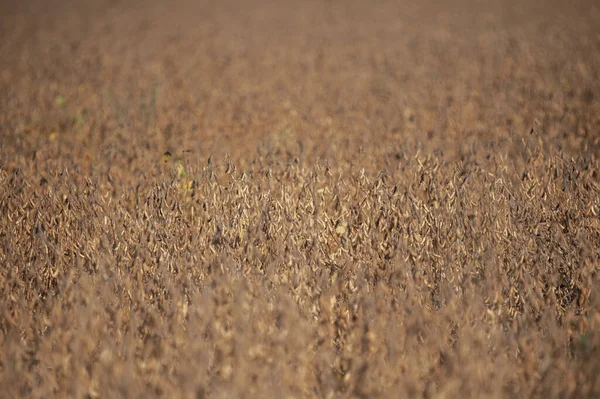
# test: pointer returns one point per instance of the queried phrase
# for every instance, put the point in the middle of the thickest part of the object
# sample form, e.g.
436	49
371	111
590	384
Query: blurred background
347	81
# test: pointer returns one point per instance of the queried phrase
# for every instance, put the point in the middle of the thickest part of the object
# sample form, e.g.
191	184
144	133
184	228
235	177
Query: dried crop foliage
243	225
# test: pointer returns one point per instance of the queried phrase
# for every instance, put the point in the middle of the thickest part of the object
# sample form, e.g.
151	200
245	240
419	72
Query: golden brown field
311	199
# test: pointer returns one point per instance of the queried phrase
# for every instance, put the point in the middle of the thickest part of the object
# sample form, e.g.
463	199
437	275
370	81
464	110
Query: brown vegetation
313	200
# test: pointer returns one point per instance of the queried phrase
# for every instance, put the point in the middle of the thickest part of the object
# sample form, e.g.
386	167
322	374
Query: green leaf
60	102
